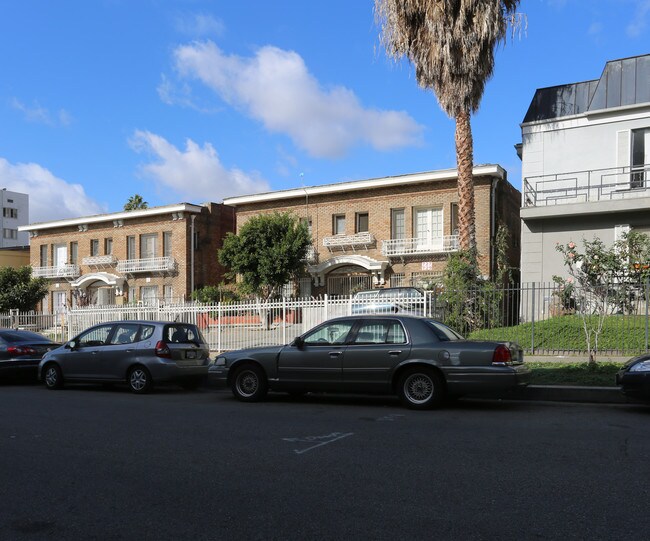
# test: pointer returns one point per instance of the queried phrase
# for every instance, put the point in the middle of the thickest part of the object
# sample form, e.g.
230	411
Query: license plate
190	355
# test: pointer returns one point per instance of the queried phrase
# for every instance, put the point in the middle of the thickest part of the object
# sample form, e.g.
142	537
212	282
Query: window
43	257
454	218
60	252
125	333
361	222
640	158
330	333
95	337
428	229
167	243
338	224
168	293
398	231
397	280
108	246
9	233
94	247
130	247
148	245
9	212
149	294
380	332
307	222
74	252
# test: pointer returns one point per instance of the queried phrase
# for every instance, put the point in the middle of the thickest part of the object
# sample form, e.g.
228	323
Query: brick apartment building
391	231
140	255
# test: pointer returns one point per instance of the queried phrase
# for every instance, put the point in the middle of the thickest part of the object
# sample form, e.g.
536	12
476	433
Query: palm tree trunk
465	163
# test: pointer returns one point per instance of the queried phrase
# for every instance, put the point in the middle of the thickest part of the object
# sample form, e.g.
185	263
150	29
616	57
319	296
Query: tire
139	380
52	376
249	383
421	388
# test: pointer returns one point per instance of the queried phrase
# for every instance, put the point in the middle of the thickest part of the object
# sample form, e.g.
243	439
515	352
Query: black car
419	359
634	378
21	351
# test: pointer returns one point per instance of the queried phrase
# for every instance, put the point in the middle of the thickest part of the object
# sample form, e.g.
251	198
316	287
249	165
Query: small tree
268	252
604	280
136	202
19	291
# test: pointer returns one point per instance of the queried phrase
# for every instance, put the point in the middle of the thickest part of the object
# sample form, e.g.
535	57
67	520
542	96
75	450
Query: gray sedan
140	353
420	359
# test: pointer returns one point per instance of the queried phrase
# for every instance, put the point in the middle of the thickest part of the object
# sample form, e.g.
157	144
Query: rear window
182	333
442	332
22	336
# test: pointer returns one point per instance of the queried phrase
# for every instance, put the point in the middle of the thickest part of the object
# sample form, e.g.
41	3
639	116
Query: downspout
493	228
192	257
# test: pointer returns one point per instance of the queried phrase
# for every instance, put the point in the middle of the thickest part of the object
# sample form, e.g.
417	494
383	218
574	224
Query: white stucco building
585	154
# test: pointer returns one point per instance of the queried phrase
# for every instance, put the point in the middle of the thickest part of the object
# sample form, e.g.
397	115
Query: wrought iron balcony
358	240
612	184
419	246
99	260
312	255
68	270
151	264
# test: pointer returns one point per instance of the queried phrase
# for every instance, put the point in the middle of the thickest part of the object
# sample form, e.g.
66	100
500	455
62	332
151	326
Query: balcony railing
312	255
68	270
151	264
419	246
357	240
587	186
99	260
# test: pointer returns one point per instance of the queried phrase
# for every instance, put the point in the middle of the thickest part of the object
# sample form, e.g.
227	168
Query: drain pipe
192	257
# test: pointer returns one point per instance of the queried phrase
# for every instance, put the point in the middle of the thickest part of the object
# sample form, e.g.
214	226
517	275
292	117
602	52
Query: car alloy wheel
139	380
53	377
249	383
421	388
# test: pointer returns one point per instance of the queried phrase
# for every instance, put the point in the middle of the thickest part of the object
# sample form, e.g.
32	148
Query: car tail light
502	356
21	350
162	350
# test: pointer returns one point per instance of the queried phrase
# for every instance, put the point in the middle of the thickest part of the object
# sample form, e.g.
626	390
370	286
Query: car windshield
442	332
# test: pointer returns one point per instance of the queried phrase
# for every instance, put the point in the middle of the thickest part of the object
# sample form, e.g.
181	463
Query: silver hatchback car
140	353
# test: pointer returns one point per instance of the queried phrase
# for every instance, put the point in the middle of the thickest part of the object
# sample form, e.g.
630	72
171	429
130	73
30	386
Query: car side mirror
72	344
298	342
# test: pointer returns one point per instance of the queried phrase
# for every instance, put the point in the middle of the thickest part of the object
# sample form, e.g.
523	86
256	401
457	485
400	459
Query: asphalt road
87	463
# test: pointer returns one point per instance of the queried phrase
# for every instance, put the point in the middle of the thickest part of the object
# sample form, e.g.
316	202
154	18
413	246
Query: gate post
532	330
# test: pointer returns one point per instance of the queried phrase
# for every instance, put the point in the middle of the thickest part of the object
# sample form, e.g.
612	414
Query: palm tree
451	45
136	202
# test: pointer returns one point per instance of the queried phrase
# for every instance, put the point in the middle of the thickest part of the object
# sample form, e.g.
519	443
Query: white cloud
41	115
50	198
275	87
199	25
195	173
638	25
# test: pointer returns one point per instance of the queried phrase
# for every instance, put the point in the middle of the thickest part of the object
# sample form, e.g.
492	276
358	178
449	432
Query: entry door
428	229
59	301
60	255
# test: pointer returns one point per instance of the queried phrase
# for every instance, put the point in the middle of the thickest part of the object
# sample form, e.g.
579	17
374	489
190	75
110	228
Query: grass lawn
623	334
580	373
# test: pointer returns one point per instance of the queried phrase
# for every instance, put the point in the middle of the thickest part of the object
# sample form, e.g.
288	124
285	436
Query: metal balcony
419	246
358	240
151	264
612	184
312	255
68	270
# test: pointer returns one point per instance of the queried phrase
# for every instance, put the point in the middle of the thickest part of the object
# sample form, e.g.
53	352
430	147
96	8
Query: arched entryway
345	274
97	288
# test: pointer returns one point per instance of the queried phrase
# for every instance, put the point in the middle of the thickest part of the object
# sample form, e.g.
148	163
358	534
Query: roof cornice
414	178
123	215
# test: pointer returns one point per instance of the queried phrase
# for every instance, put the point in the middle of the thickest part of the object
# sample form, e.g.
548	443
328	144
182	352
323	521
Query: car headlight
643	366
220	361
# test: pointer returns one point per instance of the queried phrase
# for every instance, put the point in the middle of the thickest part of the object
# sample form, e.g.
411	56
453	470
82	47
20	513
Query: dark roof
623	82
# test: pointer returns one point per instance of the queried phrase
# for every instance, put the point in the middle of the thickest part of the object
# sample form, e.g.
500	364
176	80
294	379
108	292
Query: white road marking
322	440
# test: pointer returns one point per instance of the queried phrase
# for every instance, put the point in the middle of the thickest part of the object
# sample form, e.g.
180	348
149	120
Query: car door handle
130	350
335	353
395	352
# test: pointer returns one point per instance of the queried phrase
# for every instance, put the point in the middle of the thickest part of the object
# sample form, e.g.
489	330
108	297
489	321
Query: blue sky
197	100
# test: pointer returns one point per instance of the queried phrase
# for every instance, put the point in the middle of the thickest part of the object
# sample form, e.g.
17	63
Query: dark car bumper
488	379
218	377
10	367
634	384
173	372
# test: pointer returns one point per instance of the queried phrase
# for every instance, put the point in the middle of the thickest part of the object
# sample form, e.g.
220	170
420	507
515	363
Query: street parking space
91	463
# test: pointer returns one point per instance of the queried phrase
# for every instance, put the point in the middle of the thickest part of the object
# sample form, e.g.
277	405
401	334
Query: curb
566	393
